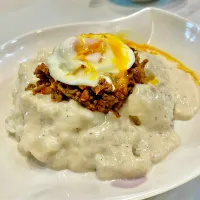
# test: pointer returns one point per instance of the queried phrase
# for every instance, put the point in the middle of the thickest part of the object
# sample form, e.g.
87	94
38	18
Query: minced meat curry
101	98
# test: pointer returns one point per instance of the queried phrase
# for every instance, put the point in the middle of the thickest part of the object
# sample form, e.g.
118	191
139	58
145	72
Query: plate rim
148	9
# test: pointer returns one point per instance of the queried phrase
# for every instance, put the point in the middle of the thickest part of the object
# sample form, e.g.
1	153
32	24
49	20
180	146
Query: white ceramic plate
22	179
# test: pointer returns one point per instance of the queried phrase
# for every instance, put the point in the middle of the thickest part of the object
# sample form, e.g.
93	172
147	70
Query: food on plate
101	103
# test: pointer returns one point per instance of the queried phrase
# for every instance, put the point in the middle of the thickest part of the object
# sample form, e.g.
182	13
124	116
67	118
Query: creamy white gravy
182	87
67	135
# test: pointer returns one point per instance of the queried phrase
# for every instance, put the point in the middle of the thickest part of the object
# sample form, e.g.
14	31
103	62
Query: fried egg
85	59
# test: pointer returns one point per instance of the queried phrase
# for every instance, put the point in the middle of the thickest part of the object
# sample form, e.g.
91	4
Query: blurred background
129	6
21	16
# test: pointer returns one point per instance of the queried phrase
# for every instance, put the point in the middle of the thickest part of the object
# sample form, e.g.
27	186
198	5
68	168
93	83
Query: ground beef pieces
102	98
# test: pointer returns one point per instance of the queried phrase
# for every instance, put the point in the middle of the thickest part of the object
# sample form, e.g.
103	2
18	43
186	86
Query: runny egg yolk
85	59
84	50
103	41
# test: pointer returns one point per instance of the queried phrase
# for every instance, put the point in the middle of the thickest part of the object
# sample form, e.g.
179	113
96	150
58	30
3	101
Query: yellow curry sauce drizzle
153	50
120	59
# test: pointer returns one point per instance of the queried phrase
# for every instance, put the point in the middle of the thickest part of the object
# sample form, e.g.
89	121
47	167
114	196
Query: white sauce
67	135
181	86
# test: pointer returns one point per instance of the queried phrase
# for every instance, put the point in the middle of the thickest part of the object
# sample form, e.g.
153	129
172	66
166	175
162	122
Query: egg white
63	62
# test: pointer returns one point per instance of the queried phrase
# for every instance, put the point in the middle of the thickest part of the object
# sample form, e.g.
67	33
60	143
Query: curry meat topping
101	98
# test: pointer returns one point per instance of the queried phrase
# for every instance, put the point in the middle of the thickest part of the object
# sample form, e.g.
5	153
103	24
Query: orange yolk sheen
153	50
120	58
101	43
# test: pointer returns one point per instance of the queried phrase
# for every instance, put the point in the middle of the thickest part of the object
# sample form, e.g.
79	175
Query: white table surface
21	16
